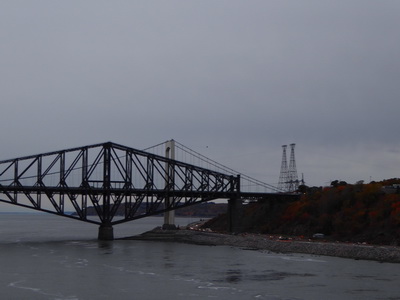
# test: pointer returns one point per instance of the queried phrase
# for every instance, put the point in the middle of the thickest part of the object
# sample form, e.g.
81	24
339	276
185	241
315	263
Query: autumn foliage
360	212
347	212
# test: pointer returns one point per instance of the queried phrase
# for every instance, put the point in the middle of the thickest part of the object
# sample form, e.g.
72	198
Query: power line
227	169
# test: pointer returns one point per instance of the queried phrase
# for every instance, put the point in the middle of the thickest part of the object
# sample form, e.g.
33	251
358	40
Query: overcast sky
234	80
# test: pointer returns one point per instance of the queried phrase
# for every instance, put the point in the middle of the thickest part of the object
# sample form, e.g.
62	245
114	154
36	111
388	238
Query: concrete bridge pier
106	232
169	216
235	212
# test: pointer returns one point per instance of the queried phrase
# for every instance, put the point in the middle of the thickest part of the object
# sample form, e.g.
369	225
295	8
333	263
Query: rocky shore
264	242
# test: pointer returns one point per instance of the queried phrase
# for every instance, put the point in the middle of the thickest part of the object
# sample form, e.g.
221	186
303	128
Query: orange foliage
395	214
292	211
373	214
348	212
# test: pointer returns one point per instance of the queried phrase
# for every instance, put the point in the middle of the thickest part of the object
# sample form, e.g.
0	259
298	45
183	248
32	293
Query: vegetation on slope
346	212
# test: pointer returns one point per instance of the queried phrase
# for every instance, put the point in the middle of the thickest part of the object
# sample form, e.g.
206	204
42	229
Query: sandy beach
271	243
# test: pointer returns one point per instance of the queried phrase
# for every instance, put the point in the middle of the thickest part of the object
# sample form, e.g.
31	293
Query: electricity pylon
288	179
282	185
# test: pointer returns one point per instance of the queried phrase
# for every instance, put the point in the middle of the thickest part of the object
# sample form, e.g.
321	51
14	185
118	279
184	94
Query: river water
50	257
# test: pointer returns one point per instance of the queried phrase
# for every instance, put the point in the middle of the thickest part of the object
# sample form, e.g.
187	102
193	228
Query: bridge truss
109	177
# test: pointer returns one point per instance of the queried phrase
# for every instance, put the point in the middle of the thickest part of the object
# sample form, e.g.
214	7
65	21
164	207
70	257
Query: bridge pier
169	220
169	216
106	232
235	212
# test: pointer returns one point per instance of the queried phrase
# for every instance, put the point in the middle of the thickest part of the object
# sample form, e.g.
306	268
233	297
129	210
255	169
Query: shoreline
390	254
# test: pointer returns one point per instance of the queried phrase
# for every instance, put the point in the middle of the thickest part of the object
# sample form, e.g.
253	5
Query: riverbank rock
263	242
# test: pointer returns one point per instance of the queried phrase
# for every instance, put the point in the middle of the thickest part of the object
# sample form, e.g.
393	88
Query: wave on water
294	258
302	259
17	284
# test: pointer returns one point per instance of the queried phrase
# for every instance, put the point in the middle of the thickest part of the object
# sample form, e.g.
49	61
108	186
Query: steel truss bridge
110	177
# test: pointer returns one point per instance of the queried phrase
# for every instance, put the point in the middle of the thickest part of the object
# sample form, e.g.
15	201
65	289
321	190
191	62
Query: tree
337	183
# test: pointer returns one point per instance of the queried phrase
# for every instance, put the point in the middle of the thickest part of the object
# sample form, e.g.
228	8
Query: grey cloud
239	77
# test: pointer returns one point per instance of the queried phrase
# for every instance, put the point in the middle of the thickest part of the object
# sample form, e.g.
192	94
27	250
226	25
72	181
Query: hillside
345	212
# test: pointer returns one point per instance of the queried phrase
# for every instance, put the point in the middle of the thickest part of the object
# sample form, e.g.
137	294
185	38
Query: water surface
49	257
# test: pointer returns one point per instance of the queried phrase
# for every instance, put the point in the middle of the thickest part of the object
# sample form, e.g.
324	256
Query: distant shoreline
389	254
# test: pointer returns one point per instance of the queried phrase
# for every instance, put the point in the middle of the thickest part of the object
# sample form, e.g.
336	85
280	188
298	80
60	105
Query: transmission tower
282	185
292	178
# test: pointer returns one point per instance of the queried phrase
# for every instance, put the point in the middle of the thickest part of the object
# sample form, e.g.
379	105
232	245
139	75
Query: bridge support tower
169	216
106	231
